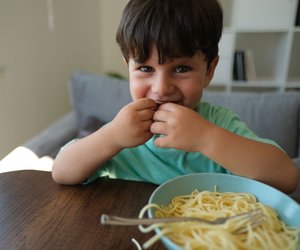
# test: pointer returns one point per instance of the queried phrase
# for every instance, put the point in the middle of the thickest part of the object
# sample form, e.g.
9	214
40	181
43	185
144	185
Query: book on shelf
250	65
239	72
244	66
297	23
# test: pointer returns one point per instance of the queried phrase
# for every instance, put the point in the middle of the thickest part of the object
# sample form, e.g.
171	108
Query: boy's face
180	81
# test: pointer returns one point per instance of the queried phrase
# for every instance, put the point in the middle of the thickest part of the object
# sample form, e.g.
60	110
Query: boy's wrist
108	137
208	139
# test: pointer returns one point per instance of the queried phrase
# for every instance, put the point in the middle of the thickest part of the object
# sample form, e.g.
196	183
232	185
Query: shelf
294	85
223	70
294	65
268	51
268	14
297	29
265	29
258	84
219	84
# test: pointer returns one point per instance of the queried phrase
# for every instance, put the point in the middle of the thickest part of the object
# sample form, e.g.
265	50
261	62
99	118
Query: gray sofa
97	99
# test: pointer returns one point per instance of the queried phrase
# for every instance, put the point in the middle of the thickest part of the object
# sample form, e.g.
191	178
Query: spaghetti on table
271	234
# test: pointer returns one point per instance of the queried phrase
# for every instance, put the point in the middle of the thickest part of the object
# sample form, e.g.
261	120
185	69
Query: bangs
169	44
176	30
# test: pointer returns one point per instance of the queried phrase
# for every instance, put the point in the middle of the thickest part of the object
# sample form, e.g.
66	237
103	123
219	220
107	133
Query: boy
171	49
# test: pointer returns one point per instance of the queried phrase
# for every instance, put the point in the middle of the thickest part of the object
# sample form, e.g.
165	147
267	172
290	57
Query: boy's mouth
159	102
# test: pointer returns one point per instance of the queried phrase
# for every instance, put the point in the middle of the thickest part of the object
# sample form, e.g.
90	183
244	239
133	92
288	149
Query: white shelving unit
266	28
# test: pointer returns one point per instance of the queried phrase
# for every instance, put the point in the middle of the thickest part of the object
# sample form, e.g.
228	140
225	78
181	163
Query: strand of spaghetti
156	237
141	215
137	244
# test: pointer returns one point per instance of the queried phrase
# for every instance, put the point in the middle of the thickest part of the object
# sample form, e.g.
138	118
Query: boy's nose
162	86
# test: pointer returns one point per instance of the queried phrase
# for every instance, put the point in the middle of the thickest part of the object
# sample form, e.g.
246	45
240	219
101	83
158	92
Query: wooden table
36	213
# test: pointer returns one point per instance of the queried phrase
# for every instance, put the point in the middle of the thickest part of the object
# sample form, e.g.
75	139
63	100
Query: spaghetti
271	234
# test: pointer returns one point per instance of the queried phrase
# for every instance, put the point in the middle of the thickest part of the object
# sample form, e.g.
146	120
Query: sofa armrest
297	191
50	140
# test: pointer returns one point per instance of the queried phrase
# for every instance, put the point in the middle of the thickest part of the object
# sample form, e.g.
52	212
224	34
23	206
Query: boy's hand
131	126
182	128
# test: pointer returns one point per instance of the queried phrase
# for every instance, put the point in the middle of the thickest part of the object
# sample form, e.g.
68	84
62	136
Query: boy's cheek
137	92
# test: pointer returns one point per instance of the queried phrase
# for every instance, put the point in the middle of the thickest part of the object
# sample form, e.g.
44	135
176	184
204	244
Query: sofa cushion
296	193
270	115
91	124
97	96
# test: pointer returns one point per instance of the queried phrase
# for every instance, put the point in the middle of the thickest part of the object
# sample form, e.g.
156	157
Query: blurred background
41	43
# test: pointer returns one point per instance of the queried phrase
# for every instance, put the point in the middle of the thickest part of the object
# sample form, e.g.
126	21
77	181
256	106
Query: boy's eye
146	69
183	69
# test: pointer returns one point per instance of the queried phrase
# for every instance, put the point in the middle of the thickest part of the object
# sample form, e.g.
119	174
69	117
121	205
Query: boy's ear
211	70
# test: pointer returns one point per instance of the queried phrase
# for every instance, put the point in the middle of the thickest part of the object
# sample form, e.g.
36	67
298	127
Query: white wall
35	63
110	14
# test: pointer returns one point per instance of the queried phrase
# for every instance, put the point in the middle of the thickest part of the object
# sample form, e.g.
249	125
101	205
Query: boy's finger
161	142
161	115
167	106
146	114
159	128
145	103
145	126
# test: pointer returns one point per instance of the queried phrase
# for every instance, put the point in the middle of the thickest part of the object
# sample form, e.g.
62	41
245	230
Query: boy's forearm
253	159
79	160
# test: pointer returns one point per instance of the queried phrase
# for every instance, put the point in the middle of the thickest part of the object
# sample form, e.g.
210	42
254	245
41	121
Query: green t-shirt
157	165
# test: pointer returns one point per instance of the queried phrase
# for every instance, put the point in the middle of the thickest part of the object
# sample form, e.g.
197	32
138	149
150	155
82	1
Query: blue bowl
287	208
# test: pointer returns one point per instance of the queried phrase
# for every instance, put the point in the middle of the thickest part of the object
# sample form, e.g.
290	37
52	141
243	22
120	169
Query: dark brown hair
176	27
